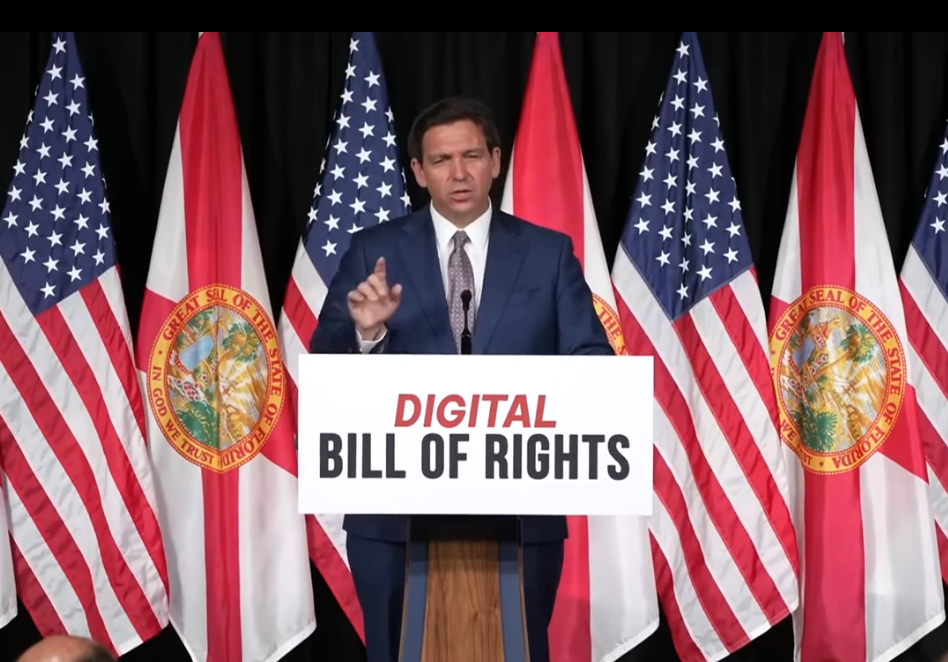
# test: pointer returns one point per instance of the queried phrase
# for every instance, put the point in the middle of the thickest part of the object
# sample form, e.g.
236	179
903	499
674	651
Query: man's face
457	168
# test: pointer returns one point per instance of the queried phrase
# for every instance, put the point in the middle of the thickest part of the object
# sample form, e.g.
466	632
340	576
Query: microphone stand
466	332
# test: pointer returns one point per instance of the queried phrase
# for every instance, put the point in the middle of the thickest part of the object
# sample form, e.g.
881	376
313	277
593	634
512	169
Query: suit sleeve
579	327
335	332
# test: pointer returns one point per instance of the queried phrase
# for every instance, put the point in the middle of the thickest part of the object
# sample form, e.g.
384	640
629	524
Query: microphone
466	332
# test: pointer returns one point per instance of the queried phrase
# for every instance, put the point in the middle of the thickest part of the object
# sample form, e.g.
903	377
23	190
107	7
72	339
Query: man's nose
458	171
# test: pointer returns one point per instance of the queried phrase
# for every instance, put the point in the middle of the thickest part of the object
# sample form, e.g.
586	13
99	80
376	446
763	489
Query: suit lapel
504	258
420	257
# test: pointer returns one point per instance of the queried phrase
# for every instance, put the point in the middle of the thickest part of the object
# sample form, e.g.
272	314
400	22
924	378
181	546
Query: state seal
215	379
610	322
839	372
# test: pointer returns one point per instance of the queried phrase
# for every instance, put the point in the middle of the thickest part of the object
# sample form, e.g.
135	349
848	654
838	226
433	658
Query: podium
465	446
464	591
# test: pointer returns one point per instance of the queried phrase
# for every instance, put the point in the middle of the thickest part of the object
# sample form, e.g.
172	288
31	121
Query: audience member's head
67	649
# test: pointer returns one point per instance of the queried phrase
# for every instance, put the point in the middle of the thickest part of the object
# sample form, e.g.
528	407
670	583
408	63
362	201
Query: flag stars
73	108
642	225
663	259
939	225
940	198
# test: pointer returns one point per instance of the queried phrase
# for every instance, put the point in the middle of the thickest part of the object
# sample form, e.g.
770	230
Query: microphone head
466	297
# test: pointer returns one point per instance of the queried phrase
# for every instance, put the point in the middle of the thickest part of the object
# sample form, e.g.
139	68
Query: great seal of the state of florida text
839	371
216	382
611	323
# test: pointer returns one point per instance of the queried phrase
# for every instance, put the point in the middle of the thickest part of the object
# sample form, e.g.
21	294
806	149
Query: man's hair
96	653
449	111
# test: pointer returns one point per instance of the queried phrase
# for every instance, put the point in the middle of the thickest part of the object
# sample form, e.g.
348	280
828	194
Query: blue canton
55	233
684	232
361	182
930	235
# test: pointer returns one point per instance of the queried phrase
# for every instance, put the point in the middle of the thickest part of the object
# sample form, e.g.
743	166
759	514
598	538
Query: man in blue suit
399	289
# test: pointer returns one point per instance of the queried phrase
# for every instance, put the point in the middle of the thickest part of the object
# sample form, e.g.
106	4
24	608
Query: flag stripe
57	418
691	466
674	530
34	596
827	249
105	303
213	193
926	318
45	542
692	446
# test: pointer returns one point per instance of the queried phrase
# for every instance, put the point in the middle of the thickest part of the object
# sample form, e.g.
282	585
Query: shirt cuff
367	346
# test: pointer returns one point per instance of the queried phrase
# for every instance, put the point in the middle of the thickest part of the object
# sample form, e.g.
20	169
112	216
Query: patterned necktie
460	278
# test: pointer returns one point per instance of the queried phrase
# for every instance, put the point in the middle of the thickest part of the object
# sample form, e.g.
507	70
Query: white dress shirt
479	234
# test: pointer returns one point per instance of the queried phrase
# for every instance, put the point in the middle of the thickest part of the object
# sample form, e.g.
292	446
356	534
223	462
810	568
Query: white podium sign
475	435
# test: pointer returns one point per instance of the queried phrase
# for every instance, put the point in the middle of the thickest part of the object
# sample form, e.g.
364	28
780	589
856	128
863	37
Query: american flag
924	289
88	549
724	545
361	183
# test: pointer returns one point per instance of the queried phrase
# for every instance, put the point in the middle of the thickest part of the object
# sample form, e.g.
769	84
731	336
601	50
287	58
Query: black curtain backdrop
286	86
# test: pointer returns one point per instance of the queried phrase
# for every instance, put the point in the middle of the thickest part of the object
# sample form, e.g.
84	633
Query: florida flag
870	580
606	604
221	430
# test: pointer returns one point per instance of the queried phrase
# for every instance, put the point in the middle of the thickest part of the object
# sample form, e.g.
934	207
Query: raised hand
373	302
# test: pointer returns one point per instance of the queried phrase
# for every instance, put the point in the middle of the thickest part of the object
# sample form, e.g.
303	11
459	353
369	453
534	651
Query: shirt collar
478	231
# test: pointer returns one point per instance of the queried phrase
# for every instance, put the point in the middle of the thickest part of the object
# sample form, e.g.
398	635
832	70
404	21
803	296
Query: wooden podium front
464	591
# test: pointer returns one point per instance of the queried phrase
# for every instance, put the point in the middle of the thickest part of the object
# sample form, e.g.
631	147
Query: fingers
375	287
